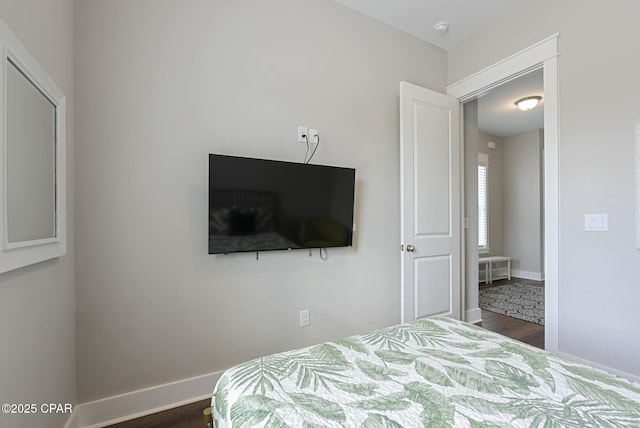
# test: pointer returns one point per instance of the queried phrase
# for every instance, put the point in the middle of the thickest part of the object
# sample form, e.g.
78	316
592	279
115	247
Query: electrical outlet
304	318
302	134
313	136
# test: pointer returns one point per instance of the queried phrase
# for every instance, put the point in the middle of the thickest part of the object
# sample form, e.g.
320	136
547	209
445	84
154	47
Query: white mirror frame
638	185
14	255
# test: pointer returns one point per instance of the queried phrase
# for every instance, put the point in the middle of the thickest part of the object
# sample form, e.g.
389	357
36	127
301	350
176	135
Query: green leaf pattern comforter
435	372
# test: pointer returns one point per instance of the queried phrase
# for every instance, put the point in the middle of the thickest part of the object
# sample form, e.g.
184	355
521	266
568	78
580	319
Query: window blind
483	202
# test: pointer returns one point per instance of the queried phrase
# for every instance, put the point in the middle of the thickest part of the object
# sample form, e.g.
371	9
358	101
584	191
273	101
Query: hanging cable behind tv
316	137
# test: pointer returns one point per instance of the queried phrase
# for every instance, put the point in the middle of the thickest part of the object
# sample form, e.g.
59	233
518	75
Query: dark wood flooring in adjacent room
524	331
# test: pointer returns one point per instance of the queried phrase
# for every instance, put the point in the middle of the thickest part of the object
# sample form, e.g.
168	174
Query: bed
435	372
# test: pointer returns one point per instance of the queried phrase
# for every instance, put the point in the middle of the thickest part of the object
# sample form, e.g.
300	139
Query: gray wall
515	200
472	143
163	83
522	203
599	272
37	303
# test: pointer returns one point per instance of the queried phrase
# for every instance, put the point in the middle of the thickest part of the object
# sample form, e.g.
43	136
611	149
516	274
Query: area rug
522	301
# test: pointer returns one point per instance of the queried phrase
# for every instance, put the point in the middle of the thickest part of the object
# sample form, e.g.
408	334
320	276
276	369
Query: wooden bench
489	263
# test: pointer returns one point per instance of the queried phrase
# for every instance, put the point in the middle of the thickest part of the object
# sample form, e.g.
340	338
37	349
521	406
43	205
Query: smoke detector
441	28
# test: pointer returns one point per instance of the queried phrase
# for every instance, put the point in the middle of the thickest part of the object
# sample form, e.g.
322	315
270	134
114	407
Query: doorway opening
542	55
504	205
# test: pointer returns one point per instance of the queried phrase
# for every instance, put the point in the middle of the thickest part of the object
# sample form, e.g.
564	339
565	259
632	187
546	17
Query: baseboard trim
131	405
72	422
473	316
600	366
524	274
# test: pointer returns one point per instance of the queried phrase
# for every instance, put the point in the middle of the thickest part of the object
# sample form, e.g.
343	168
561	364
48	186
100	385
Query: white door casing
543	54
430	180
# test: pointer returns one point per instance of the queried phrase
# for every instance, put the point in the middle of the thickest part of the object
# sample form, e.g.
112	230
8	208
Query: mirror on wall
31	160
32	182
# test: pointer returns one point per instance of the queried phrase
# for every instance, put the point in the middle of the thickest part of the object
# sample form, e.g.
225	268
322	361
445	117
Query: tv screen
263	205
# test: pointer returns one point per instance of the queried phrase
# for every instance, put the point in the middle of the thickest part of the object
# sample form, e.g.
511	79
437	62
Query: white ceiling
497	114
417	17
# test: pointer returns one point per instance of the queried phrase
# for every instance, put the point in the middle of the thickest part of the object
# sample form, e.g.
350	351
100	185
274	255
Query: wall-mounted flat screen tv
263	205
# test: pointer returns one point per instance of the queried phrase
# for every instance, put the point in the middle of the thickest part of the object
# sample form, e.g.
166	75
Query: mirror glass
31	183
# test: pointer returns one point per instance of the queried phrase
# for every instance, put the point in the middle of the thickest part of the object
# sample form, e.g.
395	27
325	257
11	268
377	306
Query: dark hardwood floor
190	415
187	416
524	331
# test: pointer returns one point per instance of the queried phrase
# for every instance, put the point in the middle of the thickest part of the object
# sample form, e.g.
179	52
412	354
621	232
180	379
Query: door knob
410	248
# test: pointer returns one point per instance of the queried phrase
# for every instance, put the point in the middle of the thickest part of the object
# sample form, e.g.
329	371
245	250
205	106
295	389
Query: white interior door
430	203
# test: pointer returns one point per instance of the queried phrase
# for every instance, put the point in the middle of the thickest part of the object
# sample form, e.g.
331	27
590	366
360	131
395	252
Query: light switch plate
596	223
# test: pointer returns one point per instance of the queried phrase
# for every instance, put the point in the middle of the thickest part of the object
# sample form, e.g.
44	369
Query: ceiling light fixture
528	103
